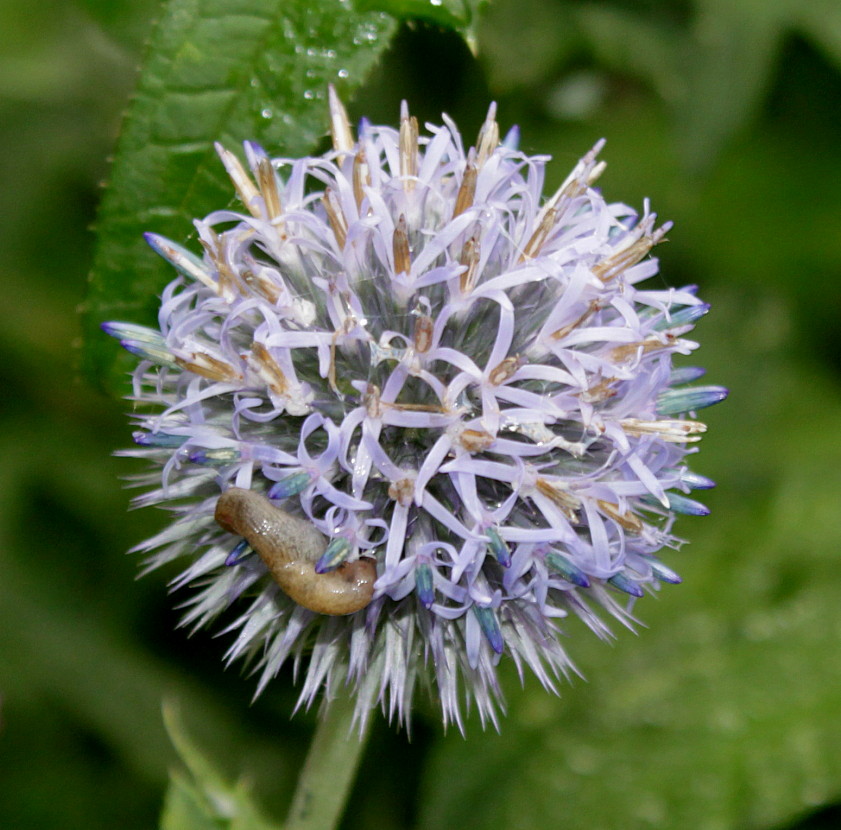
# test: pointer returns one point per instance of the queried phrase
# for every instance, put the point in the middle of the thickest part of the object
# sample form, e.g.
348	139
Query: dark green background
725	711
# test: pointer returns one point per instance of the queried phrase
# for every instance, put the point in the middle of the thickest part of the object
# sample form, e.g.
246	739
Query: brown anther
371	401
466	191
415	407
599	392
402	491
628	351
423	333
572	189
488	139
627	520
504	370
335	217
612	266
475	440
579	179
400	247
562	332
267	180
408	149
261	285
339	123
211	245
574	185
361	177
269	369
560	497
470	258
241	180
538	238
227	283
667	429
209	367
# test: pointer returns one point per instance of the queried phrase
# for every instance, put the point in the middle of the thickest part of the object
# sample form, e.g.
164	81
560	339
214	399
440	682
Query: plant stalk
330	769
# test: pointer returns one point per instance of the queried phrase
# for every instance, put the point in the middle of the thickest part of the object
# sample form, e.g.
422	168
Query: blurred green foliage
725	711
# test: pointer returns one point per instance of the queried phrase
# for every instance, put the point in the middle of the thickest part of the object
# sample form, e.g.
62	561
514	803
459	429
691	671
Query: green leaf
820	20
524	41
724	711
203	800
460	15
185	808
217	70
727	71
127	23
630	43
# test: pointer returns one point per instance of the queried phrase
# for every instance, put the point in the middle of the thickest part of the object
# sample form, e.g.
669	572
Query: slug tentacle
290	547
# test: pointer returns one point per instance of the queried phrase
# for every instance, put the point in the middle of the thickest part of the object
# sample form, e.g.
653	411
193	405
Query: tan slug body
290	547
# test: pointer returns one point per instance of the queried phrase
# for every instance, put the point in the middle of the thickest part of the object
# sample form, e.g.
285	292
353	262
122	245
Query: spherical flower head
409	414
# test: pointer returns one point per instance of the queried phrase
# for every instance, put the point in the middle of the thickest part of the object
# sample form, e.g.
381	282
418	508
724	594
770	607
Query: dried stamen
371	401
339	124
402	491
475	440
488	139
561	333
627	520
247	192
269	369
560	496
337	220
538	238
667	429
261	284
470	258
400	247
423	333
614	265
267	180
361	177
415	407
201	363
466	191
505	370
599	392
628	351
408	148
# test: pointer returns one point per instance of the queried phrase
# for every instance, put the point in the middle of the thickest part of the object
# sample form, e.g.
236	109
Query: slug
290	547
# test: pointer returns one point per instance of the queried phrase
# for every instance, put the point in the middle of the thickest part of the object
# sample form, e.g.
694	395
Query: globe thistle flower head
409	414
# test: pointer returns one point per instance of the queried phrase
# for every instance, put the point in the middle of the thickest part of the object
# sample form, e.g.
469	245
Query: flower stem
329	770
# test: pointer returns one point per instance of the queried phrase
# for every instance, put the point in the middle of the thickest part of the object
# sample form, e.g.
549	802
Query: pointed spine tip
336	555
490	627
424	585
626	585
241	551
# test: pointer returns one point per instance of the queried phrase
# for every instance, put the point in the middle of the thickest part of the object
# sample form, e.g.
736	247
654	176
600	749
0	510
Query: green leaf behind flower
460	15
202	799
216	70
